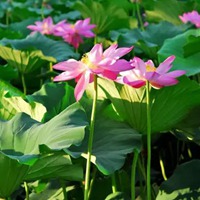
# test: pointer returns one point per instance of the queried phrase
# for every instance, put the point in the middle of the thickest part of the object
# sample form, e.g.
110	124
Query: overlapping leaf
20	139
183	184
13	101
169	105
51	49
107	16
186	49
113	140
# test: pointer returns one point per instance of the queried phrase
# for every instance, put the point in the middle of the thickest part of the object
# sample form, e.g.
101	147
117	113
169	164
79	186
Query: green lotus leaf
183	184
26	61
52	50
113	140
21	137
186	48
169	105
107	16
14	101
55	97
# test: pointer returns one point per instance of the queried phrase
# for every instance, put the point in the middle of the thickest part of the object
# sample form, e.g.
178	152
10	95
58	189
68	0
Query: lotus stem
148	141
23	84
133	174
92	181
139	15
90	141
162	168
26	190
114	184
62	183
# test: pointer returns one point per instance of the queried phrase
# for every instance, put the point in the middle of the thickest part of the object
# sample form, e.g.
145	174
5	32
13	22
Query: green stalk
139	16
90	142
7	18
51	69
148	142
62	183
26	190
114	184
133	174
42	9
162	168
92	181
23	84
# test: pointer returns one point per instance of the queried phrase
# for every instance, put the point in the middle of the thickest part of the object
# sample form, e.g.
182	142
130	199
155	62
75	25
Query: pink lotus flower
192	17
73	33
146	71
44	27
96	61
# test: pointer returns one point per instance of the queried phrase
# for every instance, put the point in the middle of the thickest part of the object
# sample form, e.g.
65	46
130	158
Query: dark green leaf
186	50
55	97
183	184
50	48
113	140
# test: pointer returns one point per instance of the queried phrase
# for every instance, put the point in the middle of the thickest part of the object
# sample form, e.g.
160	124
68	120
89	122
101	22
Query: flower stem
62	183
148	142
90	141
133	174
114	184
139	15
92	181
23	84
162	167
26	190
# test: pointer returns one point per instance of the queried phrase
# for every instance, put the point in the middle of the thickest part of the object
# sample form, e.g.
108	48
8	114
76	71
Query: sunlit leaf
56	50
13	101
20	139
169	105
25	61
113	140
55	97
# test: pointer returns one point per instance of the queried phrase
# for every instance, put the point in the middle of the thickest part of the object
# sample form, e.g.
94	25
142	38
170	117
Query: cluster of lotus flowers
71	33
192	17
107	63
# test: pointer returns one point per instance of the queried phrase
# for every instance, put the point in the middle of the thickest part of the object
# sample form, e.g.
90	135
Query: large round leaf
58	50
183	184
26	61
55	97
186	48
13	101
168	105
149	40
113	140
54	165
107	16
21	137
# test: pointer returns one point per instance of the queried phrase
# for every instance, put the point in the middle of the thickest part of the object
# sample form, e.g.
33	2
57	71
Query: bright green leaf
56	50
20	139
13	102
169	105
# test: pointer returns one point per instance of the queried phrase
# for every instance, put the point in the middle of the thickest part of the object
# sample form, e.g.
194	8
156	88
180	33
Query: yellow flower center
150	68
87	62
45	26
